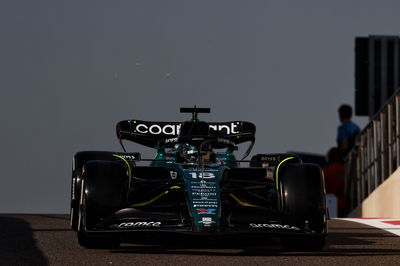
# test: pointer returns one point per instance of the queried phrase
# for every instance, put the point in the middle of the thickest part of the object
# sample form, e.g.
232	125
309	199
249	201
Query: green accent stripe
155	198
129	168
277	169
242	202
150	201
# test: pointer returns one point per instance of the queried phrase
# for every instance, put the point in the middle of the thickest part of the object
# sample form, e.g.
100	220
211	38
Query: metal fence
376	154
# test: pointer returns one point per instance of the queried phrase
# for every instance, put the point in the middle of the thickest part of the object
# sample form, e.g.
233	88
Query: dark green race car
195	185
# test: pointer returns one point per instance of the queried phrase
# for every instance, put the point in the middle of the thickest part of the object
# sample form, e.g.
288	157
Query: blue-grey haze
69	70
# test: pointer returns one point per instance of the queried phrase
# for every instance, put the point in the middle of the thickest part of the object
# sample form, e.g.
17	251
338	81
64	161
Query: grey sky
69	70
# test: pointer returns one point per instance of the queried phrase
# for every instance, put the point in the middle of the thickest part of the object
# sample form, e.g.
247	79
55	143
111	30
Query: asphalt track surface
42	239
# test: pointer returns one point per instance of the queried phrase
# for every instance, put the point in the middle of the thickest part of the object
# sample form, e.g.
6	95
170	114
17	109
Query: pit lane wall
383	202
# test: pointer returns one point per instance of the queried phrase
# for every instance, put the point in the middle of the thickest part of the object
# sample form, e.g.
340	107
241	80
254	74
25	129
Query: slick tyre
302	198
78	161
103	192
91	241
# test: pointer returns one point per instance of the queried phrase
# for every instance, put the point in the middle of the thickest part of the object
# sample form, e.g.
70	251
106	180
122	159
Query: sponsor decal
225	141
203	187
269	159
129	157
206	221
275	226
135	224
73	189
172	140
174	129
173	174
204	205
158	129
206	211
226	129
204	194
211	201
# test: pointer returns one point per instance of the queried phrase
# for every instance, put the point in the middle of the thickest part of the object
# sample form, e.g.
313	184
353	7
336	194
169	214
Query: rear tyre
103	193
302	193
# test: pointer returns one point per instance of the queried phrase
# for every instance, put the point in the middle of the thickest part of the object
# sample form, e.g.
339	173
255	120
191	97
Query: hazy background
70	70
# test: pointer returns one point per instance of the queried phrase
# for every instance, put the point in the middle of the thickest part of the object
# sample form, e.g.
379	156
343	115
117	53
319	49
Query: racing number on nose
205	175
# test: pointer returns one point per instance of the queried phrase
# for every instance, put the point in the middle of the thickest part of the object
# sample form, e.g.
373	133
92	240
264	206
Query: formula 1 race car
195	186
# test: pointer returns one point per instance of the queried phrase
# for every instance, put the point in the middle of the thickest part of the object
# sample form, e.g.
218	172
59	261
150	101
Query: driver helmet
189	153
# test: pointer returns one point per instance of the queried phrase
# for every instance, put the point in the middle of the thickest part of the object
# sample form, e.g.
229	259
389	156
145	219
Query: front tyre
302	194
78	162
103	192
90	241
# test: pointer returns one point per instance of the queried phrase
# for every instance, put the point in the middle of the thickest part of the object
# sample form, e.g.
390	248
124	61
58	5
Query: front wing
130	221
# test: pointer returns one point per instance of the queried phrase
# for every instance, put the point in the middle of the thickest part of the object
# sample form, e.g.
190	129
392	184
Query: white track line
390	225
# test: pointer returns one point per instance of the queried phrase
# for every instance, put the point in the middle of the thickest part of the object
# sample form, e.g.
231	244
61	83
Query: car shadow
17	244
54	216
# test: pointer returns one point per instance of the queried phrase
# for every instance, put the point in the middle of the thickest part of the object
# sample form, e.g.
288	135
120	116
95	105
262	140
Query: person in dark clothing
347	131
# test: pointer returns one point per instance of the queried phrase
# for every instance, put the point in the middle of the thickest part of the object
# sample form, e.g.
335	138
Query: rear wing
150	133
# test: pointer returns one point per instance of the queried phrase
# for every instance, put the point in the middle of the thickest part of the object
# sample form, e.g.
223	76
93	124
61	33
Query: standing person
347	131
334	174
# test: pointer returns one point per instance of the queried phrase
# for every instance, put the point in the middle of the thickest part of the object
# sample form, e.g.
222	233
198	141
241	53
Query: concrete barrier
383	202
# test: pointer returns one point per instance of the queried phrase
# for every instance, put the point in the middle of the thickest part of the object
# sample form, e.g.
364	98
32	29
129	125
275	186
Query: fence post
397	130
376	154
